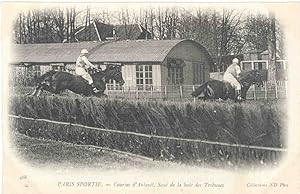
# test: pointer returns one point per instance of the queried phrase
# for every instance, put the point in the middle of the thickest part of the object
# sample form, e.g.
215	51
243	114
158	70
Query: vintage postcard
150	97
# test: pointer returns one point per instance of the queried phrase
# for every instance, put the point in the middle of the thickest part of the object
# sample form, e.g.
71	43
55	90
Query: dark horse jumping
215	89
55	82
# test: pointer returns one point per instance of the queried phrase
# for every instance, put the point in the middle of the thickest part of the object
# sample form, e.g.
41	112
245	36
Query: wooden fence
155	147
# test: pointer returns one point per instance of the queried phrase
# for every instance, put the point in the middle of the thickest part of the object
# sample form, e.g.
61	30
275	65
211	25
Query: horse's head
252	77
114	73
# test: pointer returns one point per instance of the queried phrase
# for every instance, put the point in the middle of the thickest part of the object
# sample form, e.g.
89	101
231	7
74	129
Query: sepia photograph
150	97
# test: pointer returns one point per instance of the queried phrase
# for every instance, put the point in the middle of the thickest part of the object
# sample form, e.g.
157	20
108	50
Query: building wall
129	75
128	72
164	75
217	75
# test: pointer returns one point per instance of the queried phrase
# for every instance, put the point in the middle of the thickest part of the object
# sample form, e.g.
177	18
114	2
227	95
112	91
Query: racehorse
56	82
215	89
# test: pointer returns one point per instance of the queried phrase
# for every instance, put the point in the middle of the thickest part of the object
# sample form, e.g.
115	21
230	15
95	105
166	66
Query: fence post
107	90
180	91
286	88
136	93
276	89
165	91
151	92
123	91
194	98
266	91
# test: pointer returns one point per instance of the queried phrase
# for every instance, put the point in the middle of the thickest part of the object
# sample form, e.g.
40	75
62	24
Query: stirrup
96	90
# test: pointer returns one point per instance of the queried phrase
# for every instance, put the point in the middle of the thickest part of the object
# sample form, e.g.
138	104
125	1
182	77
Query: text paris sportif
139	184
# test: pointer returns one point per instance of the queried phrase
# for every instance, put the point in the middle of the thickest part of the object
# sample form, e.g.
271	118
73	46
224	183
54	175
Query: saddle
80	78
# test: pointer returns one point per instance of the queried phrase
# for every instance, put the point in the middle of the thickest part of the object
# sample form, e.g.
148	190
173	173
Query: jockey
231	75
81	63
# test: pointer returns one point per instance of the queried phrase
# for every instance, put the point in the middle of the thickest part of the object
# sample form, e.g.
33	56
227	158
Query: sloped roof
128	32
49	52
134	51
123	32
118	51
87	34
266	52
104	30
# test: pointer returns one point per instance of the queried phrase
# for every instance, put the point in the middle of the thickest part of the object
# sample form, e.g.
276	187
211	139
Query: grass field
47	153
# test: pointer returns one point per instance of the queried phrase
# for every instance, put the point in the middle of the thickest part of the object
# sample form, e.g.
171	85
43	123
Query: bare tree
160	24
231	40
43	26
257	31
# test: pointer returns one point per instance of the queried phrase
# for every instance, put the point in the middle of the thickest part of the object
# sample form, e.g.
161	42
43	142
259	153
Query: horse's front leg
39	92
36	90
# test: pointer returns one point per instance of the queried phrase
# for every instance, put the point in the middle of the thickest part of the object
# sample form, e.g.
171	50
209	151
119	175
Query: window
34	70
258	65
175	75
144	79
199	72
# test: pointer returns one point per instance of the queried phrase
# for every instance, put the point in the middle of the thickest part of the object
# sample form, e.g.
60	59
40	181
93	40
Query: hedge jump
151	146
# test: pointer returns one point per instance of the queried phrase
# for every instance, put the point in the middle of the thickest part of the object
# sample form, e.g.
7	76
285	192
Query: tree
231	32
257	31
70	26
45	26
272	48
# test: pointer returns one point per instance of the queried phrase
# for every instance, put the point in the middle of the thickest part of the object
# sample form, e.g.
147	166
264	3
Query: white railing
183	92
269	90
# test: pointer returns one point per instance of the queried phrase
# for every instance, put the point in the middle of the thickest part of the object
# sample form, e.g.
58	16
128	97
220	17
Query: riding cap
84	51
235	60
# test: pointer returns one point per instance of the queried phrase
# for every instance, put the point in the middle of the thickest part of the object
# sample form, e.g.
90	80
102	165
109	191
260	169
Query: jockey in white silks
231	75
82	63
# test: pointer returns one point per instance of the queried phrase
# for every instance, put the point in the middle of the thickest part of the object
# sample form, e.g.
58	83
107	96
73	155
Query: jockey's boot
239	97
95	90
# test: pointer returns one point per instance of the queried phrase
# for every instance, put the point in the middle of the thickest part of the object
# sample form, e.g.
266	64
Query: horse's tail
200	90
46	76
